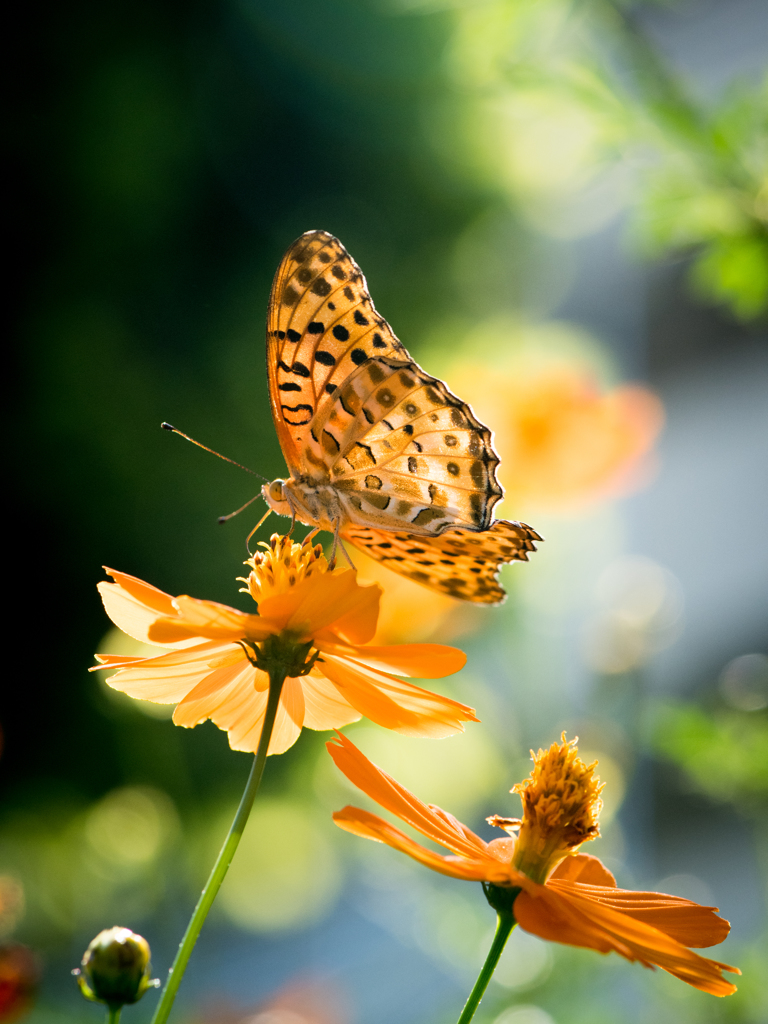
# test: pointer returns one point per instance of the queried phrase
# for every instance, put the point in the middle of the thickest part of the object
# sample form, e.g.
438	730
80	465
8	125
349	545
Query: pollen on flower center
281	566
561	806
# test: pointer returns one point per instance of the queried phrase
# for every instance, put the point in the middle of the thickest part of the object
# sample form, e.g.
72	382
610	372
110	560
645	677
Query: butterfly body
378	450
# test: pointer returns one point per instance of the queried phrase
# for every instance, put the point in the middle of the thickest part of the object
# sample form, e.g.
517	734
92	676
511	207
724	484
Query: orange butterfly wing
321	325
461	563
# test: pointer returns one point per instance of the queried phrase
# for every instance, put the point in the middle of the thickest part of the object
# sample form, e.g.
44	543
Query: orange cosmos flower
564	442
553	891
210	668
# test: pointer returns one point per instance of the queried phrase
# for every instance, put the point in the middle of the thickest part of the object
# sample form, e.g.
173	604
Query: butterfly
379	453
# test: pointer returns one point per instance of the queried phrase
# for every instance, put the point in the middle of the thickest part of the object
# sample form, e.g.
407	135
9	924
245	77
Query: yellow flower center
561	806
281	566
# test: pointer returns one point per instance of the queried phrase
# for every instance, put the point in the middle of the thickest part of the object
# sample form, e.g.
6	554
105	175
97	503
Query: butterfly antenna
174	430
224	519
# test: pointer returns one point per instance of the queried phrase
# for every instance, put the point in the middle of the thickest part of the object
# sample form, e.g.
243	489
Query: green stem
113	1014
504	925
224	859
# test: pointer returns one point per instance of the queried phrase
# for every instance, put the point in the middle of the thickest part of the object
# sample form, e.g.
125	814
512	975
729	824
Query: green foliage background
165	155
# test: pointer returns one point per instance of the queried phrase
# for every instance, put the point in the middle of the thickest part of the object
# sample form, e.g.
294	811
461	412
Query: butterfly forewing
321	325
460	563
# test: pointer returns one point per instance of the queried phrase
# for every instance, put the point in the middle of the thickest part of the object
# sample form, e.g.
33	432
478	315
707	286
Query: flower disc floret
561	806
281	565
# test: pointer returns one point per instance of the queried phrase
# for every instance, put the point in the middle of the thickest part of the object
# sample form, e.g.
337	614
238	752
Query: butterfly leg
346	555
332	559
248	538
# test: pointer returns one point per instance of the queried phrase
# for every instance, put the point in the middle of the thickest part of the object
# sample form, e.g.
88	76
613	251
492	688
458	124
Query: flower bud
116	968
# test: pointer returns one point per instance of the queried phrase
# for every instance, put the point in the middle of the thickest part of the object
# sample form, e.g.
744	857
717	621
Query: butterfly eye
276	490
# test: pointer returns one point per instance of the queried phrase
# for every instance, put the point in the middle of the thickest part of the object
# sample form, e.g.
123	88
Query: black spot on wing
321	287
297	410
298	368
341	333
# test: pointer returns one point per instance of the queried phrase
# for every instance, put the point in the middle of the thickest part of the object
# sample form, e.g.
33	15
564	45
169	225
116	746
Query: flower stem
224	859
504	925
113	1014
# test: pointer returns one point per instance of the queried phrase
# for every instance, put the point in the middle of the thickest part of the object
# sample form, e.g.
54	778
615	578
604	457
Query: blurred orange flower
301	1001
409	611
563	441
562	895
19	975
209	669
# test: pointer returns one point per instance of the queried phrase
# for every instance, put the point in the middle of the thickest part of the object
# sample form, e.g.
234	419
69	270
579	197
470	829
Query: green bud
116	968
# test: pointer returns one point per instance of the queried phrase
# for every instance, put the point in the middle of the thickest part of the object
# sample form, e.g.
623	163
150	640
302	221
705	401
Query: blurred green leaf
725	754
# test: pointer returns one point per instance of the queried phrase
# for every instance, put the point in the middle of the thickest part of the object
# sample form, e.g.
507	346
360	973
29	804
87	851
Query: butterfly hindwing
460	563
403	452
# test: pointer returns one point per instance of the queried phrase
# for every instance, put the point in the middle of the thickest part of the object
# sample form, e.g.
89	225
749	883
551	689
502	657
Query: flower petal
245	733
170	677
558	915
393	703
583	868
334	596
688	922
421	661
134	606
371	826
221	690
209	619
358	626
325	708
431	821
316	602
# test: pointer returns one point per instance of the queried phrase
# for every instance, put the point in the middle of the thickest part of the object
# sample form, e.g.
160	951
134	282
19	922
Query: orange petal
246	732
370	826
325	708
225	687
422	661
583	868
431	821
170	677
393	703
334	596
688	922
134	606
358	626
555	913
152	598
207	619
231	699
313	603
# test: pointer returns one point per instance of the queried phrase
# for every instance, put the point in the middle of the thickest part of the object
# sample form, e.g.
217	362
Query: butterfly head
275	496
